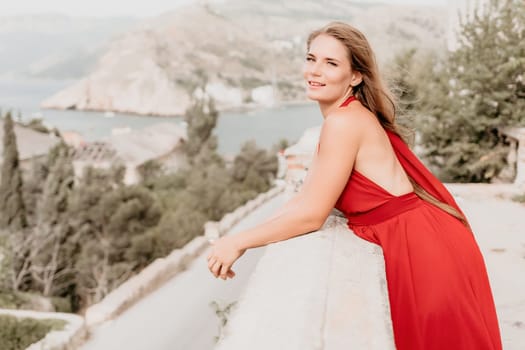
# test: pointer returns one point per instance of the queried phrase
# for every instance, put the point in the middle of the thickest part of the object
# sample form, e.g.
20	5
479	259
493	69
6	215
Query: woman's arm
326	179
291	220
339	141
286	206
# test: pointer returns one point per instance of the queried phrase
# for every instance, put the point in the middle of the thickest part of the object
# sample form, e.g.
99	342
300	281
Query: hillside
246	53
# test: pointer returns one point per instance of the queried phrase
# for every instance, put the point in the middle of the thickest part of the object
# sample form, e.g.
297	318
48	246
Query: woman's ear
357	78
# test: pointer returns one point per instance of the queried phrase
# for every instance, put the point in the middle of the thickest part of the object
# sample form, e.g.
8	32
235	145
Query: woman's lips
315	84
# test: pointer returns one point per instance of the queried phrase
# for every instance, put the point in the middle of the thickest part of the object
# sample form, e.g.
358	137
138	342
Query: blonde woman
439	292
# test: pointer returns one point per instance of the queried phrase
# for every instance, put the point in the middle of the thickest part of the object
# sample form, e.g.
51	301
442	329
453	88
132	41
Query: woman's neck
329	107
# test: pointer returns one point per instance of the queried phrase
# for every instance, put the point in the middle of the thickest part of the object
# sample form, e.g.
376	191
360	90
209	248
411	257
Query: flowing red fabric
438	287
419	173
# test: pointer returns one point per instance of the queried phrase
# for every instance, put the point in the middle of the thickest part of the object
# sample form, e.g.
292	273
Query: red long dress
439	291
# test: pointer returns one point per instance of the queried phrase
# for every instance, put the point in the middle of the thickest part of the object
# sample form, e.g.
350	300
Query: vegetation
73	239
206	189
461	99
222	314
19	333
12	210
37	124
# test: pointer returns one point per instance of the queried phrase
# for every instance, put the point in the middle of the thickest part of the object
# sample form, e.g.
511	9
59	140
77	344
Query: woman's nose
315	69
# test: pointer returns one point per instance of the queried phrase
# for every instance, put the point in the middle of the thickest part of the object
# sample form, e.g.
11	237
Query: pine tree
52	266
57	188
12	209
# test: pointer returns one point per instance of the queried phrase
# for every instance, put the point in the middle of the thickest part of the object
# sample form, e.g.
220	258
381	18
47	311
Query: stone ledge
325	290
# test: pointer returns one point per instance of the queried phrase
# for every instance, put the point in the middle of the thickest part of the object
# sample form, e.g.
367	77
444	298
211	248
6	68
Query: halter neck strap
348	100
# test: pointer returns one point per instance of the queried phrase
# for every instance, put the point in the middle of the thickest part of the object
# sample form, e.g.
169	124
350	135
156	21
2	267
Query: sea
266	126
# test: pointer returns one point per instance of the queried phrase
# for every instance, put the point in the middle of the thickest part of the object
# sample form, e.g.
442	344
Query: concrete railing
325	291
67	338
516	137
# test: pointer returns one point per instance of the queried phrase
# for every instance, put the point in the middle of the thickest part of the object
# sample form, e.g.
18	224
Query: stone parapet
517	144
325	290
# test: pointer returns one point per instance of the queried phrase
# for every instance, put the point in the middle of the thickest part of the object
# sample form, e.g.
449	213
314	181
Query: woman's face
327	70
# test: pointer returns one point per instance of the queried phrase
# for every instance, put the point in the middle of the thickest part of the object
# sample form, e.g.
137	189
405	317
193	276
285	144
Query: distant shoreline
237	109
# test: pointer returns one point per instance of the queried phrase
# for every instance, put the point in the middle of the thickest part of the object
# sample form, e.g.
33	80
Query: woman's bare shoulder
357	118
345	128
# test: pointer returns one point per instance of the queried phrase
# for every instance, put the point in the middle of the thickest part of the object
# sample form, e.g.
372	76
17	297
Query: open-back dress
438	287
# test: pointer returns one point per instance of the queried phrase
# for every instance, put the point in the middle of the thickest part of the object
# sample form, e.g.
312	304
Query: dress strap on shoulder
348	100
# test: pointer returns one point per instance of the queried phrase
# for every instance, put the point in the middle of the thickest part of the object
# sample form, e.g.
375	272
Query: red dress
439	291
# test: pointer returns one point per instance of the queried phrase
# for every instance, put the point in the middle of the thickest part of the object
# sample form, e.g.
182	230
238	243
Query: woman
439	291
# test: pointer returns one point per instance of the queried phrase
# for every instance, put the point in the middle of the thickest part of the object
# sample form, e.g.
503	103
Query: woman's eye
332	64
309	58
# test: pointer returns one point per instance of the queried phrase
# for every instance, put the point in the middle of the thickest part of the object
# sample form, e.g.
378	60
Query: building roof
139	146
134	146
30	143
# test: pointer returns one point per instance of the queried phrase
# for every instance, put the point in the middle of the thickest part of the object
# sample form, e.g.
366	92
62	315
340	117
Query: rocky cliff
243	53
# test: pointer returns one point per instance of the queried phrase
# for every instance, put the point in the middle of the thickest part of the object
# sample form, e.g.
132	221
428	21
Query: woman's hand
223	254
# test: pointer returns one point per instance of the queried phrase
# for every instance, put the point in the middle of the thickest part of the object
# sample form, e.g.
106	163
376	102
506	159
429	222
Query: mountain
242	52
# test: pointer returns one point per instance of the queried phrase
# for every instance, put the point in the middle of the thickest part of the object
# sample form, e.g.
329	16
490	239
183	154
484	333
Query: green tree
91	187
175	229
150	170
14	235
53	252
33	187
57	187
205	192
201	119
401	77
35	180
479	89
255	168
120	218
12	208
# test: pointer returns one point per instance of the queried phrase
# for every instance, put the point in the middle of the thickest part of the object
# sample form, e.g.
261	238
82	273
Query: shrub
19	333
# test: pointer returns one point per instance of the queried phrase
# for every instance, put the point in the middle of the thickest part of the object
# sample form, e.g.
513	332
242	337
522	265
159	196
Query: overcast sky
121	7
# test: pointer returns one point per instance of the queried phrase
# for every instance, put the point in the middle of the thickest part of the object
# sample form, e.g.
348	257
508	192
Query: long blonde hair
374	94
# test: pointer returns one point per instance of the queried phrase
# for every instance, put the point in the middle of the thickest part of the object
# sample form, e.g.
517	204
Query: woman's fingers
216	266
211	262
224	271
220	270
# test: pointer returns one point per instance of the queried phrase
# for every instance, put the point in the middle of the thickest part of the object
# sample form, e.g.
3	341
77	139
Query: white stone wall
324	290
518	134
520	165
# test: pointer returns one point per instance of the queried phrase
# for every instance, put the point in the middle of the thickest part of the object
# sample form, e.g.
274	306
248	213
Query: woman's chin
314	96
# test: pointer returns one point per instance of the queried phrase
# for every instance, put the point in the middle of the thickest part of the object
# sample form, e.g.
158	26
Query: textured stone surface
325	290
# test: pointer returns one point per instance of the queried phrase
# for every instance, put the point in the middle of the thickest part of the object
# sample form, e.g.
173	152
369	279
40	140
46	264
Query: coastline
247	107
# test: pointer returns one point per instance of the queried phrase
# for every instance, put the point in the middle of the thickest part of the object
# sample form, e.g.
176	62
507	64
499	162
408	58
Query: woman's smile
315	84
